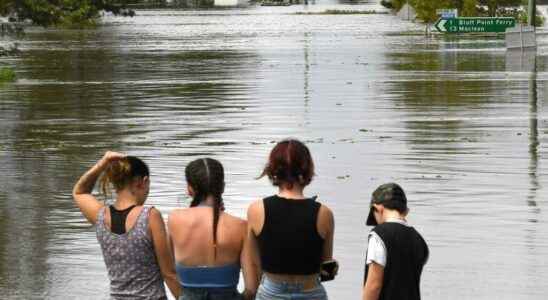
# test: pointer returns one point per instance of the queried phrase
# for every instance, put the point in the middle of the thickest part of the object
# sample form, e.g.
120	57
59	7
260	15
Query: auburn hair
289	163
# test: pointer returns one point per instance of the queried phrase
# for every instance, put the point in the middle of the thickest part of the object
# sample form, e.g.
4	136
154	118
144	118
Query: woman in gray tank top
132	237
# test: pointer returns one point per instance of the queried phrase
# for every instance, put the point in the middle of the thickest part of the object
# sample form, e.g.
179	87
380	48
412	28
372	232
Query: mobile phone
328	270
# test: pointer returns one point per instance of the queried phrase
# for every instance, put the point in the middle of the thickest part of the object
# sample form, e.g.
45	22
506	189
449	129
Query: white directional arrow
440	25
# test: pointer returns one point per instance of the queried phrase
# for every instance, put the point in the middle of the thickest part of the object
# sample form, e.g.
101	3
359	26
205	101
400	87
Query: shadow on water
526	61
437	86
533	139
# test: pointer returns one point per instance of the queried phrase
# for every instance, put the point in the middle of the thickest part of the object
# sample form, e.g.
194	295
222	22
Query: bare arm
255	220
163	253
326	229
88	204
250	268
373	285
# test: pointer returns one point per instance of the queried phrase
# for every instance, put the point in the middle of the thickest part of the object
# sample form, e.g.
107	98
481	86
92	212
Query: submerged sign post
462	25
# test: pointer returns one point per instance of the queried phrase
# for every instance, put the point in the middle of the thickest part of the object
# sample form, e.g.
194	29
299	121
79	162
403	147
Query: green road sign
456	25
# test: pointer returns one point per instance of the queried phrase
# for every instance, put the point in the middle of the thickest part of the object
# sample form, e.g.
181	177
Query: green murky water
461	124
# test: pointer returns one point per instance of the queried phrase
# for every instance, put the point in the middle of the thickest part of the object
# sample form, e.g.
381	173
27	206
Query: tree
494	5
469	8
426	9
394	4
78	13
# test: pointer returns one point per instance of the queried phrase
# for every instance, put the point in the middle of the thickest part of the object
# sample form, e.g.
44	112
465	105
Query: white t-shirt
376	250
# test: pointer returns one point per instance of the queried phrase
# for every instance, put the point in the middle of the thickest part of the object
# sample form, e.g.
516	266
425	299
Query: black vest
407	253
289	242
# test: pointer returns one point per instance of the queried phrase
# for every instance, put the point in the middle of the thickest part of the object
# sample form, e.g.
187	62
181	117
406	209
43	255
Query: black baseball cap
391	195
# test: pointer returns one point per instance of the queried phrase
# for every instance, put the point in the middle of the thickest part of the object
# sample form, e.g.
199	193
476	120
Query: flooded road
458	122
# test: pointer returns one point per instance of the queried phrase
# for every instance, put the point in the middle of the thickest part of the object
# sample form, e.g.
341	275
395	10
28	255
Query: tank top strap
142	220
101	215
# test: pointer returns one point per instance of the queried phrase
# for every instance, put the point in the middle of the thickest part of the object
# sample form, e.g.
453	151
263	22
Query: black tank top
118	219
289	242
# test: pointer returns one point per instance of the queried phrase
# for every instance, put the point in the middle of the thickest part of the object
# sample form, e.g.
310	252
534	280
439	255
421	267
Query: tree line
426	9
78	13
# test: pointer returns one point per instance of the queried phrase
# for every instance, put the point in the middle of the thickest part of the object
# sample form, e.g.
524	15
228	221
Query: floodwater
458	122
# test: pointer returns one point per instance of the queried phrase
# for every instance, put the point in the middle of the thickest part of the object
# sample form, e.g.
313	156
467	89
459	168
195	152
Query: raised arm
163	252
88	204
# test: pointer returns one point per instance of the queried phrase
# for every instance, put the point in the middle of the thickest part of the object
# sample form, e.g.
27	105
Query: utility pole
532	13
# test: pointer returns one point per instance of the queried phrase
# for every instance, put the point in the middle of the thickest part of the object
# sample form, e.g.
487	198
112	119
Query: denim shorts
210	294
271	290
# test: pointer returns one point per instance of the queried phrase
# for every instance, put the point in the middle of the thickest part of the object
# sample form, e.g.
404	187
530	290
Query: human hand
329	270
111	156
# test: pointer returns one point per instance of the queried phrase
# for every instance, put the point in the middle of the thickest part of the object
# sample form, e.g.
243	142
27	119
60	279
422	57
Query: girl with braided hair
209	244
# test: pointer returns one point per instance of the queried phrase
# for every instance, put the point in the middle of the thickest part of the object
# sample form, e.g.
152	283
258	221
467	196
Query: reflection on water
457	121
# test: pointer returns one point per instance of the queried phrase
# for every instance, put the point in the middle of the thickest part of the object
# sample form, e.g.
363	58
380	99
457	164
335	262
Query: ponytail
122	172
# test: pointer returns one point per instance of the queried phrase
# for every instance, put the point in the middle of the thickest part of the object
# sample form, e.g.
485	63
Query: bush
7	75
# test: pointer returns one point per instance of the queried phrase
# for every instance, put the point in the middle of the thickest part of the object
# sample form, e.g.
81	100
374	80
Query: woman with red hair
292	235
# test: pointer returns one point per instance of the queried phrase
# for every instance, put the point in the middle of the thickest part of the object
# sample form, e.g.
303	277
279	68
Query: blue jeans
271	290
210	294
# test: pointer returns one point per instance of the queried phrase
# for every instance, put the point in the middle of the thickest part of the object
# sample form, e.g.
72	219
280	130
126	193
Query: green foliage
426	9
70	13
469	8
523	17
493	6
7	75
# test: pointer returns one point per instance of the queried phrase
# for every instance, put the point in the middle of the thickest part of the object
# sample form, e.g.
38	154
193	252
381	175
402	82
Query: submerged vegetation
7	75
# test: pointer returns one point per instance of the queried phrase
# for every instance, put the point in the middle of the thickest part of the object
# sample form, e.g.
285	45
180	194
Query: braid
206	177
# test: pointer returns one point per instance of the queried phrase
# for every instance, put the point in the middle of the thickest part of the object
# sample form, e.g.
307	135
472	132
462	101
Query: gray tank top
130	259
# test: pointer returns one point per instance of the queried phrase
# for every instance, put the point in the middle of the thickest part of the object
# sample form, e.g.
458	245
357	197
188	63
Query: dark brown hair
206	177
289	162
122	172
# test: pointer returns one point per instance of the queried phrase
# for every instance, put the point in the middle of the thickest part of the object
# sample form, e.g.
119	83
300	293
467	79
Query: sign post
481	25
532	12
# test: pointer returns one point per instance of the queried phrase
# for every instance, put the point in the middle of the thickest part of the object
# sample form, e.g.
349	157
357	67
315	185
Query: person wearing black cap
396	252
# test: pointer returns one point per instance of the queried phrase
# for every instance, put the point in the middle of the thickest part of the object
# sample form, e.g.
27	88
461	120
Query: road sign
448	13
456	25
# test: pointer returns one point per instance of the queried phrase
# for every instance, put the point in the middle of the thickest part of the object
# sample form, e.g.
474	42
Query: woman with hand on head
132	237
210	245
291	235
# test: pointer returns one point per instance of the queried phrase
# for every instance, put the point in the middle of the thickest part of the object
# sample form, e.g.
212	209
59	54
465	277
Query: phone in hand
328	270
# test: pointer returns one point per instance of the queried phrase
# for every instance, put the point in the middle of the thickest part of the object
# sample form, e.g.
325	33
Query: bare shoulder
154	214
178	216
235	223
326	221
255	209
325	212
235	219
